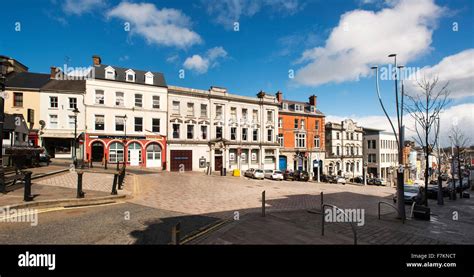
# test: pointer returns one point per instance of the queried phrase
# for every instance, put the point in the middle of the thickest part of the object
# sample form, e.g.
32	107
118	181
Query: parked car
289	175
44	157
378	182
259	174
274	174
301	175
325	178
249	172
433	191
358	179
337	180
465	185
409	194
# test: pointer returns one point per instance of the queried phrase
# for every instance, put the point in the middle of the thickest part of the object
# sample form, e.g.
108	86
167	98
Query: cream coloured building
216	129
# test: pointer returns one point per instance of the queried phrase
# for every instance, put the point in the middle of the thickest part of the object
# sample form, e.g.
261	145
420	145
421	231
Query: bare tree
460	143
424	107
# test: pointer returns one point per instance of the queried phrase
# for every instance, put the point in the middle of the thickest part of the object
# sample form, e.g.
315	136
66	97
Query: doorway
218	163
97	150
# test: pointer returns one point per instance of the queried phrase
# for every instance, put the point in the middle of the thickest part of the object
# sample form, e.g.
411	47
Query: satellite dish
42	123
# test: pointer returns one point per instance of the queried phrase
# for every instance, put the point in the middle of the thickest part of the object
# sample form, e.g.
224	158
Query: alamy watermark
19	215
345	215
74	73
388	73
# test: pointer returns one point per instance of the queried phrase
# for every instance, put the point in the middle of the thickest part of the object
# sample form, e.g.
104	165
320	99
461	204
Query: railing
323	221
396	209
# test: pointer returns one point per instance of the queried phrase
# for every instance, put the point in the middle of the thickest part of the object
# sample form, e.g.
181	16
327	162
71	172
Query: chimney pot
279	96
313	100
53	72
96	60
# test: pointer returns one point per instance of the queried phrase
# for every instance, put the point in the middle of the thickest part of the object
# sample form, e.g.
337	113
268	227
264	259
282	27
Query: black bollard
175	234
27	191
121	177
80	193
105	162
263	203
322	200
90	161
114	186
118	166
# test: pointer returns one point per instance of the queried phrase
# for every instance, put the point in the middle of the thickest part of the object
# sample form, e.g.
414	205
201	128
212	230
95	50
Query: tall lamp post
3	74
125	141
452	168
76	112
400	136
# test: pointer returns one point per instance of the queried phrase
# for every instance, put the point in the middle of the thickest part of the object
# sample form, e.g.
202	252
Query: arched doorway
283	163
97	151
153	155
134	151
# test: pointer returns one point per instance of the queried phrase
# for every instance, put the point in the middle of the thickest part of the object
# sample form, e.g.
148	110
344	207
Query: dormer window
313	109
297	107
110	73
149	78
285	106
130	75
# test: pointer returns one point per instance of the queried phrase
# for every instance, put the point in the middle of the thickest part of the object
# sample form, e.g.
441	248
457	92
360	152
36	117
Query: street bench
12	175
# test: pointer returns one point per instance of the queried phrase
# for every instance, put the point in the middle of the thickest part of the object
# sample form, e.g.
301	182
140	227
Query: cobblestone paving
90	181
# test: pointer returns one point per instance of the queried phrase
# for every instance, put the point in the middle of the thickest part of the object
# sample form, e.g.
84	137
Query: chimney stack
312	100
96	60
279	96
53	72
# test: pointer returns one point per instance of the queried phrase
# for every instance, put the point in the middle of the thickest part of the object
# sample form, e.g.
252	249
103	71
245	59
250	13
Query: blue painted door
283	163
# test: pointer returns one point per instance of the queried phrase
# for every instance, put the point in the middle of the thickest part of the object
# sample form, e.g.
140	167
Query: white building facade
344	154
60	125
380	154
211	129
126	116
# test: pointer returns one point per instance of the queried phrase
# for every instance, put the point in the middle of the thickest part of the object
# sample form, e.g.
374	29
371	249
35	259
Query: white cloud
364	38
458	69
462	114
196	63
168	27
201	64
226	12
78	7
172	59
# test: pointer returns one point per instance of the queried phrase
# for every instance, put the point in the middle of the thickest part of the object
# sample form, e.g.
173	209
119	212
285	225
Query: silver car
274	174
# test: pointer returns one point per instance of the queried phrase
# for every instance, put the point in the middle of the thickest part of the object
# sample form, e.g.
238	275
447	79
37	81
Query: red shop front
149	151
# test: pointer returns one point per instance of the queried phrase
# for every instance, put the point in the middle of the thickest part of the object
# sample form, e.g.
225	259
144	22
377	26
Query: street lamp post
452	168
399	137
125	141
3	73
76	112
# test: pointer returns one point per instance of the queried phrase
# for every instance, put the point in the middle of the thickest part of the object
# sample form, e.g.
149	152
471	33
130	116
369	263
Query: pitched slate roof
27	80
65	85
120	75
291	107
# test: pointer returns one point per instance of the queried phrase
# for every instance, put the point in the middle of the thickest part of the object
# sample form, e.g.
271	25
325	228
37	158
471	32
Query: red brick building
301	135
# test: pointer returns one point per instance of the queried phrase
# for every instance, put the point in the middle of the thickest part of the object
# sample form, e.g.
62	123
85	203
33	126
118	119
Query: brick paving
90	181
196	193
288	221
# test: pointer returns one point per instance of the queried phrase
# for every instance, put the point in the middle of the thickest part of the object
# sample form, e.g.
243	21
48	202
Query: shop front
149	151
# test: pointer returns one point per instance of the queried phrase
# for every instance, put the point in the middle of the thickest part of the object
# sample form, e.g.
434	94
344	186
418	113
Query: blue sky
329	45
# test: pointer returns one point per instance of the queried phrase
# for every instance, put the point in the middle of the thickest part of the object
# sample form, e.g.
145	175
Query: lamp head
392	55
